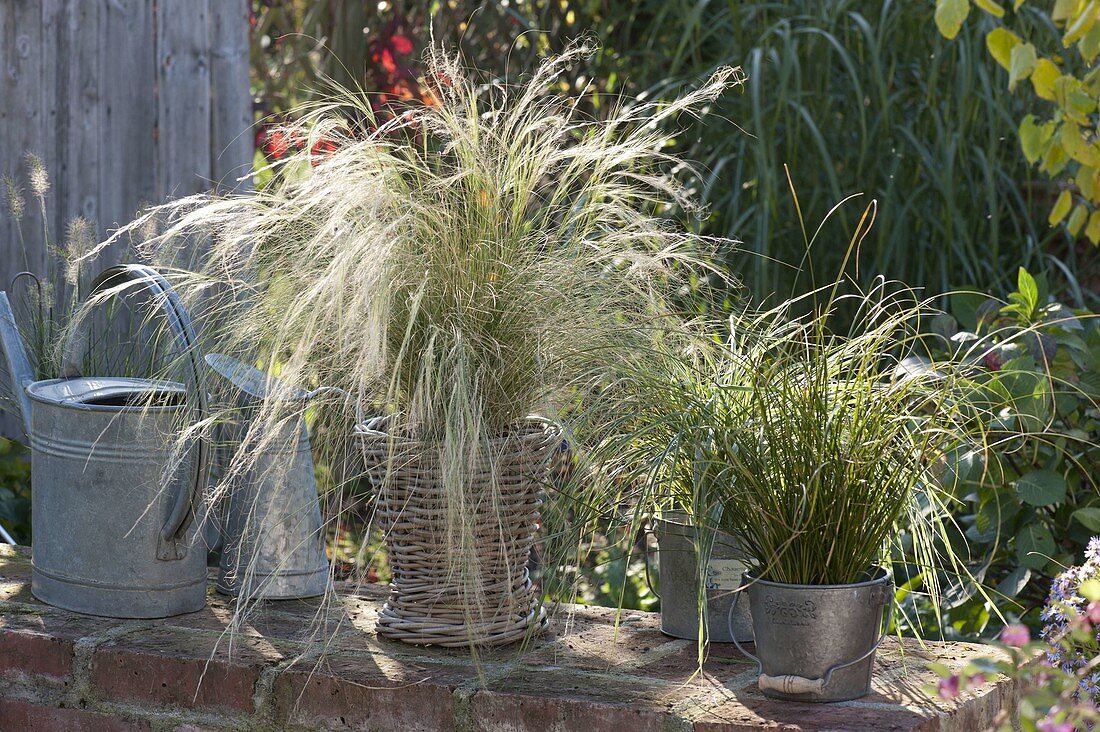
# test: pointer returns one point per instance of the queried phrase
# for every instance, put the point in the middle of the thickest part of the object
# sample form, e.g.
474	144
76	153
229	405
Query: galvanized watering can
273	540
110	538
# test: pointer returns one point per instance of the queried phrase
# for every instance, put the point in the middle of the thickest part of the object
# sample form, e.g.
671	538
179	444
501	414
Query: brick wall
63	671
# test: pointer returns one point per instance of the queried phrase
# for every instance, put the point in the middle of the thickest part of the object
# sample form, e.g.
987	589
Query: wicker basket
430	603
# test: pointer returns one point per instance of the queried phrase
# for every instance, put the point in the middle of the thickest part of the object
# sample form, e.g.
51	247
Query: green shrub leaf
950	15
1015	582
1028	289
1088	517
1041	488
1034	546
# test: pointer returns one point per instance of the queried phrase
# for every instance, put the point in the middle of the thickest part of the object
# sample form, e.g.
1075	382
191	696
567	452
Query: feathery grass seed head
13	198
37	175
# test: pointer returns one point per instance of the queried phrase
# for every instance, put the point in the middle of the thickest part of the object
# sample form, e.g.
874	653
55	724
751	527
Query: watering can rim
33	392
878	575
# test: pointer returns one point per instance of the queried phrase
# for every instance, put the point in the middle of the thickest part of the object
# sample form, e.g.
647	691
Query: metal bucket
274	543
679	583
109	537
817	643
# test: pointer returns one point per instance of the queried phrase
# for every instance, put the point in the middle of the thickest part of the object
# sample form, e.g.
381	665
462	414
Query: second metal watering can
274	544
112	536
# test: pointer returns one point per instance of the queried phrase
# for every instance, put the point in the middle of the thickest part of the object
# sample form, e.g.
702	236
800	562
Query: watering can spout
15	358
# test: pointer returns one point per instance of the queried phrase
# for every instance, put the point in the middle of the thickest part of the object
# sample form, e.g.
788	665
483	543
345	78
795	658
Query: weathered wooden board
128	102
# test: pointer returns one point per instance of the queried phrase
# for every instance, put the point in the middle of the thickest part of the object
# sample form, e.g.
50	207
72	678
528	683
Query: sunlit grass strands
475	261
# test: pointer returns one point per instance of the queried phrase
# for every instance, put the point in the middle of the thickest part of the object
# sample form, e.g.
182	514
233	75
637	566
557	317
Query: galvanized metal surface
111	538
816	643
679	584
273	539
15	358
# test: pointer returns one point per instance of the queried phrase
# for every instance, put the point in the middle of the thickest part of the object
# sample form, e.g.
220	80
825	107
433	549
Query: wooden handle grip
791	684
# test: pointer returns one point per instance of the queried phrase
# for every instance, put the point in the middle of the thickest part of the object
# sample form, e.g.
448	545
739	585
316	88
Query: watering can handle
15	358
791	684
171	544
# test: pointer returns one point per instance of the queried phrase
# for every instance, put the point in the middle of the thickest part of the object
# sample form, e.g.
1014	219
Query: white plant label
724	574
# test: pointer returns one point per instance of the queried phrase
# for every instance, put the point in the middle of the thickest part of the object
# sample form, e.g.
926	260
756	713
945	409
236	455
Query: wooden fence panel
128	102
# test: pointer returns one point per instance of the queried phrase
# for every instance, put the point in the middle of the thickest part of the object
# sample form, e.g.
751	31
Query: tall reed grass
852	96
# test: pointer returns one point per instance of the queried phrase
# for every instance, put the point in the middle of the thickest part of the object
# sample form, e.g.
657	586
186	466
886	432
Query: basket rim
530	426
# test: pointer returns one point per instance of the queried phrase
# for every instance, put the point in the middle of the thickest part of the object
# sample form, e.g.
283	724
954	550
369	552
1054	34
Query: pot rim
879	576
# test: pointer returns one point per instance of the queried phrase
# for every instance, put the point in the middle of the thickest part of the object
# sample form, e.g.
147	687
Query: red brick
493	712
370	693
170	666
23	716
25	654
744	714
40	643
531	698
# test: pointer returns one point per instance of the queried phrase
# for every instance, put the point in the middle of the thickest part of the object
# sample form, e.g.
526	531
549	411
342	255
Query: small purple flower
1090	685
1093	612
1016	635
949	687
977	679
1092	551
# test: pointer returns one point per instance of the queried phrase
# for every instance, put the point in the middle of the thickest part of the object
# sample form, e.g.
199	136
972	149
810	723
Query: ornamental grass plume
455	269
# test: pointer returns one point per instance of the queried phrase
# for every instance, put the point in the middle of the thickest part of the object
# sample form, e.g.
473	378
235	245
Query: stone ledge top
320	665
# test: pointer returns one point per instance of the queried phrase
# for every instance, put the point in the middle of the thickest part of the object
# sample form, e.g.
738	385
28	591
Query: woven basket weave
430	603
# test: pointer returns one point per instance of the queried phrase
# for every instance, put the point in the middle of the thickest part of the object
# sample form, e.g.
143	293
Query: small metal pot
817	643
679	583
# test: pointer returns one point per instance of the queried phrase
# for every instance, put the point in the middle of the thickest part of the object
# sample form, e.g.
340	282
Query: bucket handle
171	544
790	683
648	531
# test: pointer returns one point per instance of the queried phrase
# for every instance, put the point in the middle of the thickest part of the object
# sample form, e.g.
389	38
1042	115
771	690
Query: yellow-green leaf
1092	231
1081	25
1076	103
991	7
1063	9
1077	147
1017	5
950	15
1000	42
1054	159
1043	78
1086	182
1022	63
1077	220
1089	589
1061	208
1031	139
1089	46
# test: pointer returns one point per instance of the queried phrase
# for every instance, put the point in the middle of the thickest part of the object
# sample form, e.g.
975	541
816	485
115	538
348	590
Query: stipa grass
473	261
